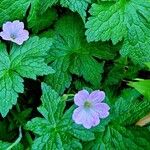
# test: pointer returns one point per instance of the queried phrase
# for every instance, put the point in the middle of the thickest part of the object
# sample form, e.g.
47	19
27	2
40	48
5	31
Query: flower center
87	104
13	36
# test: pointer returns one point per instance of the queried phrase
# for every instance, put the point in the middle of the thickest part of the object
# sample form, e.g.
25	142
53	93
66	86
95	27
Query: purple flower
91	108
14	31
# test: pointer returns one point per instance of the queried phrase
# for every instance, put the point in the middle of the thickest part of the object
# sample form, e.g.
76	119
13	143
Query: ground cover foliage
74	45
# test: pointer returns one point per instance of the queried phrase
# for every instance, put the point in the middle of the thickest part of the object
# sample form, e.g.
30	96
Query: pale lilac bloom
14	31
90	108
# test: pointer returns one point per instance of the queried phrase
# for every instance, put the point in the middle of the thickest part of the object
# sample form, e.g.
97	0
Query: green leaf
121	69
37	21
12	10
50	101
29	60
143	86
129	108
119	20
106	22
79	6
62	78
54	131
85	69
23	61
44	4
4	145
71	54
79	132
148	65
21	117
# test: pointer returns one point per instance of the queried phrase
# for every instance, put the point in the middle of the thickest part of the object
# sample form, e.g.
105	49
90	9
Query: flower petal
102	109
97	96
81	97
18	25
7	27
21	37
78	115
87	118
17	41
91	119
24	34
5	36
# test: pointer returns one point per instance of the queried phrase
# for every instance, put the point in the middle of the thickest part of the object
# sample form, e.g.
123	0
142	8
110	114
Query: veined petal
21	37
18	41
81	97
91	119
86	117
102	109
97	96
5	36
79	115
7	27
18	25
24	34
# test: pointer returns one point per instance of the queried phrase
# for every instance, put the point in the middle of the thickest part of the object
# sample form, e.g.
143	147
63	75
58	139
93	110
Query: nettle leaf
62	77
129	108
143	86
128	20
55	131
71	54
38	21
76	5
117	133
23	61
12	10
44	4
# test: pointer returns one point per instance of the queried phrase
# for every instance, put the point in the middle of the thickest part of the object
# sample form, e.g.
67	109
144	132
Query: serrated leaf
28	60
44	4
122	19
76	5
106	19
80	133
11	85
71	54
85	69
50	101
54	131
23	61
38	21
129	108
12	10
62	78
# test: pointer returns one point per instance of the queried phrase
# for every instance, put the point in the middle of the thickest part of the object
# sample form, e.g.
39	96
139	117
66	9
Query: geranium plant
74	75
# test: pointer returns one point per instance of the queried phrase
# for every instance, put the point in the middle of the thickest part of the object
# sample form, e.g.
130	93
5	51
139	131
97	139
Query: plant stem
17	141
18	108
